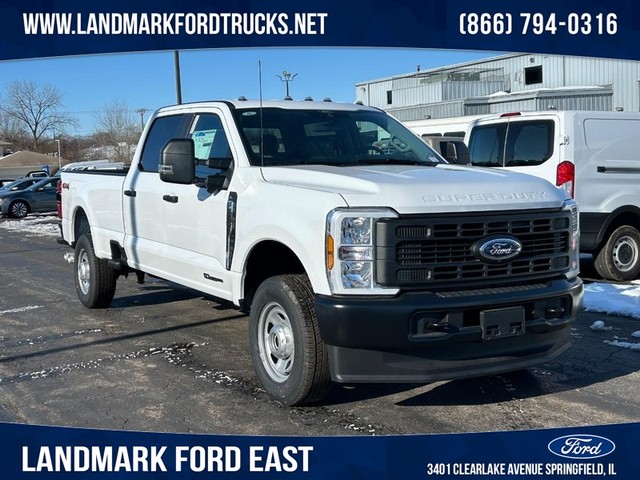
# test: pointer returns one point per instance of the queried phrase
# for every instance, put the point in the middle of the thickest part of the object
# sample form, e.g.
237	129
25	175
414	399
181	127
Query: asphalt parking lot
164	358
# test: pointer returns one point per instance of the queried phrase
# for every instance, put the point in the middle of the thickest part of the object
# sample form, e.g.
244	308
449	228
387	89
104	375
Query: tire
19	209
95	281
619	258
288	354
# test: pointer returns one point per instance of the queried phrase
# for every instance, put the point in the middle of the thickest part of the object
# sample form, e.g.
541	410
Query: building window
533	75
389	97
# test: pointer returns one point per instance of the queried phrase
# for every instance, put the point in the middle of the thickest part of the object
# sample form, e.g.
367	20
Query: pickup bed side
93	200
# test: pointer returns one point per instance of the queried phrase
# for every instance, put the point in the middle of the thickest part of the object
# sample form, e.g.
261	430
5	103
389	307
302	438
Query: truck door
142	203
194	220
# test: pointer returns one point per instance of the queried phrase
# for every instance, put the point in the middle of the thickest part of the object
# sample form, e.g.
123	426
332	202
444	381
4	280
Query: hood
414	189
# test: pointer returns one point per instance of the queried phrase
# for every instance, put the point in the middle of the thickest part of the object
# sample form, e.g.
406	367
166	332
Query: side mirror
219	181
178	163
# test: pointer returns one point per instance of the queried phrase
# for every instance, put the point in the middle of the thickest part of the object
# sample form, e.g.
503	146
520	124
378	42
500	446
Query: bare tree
36	109
116	128
12	131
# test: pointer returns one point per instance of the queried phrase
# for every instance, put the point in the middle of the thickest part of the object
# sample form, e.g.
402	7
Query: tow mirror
178	164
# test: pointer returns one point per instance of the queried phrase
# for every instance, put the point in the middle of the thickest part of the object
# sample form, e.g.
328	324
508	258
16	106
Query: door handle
130	193
170	198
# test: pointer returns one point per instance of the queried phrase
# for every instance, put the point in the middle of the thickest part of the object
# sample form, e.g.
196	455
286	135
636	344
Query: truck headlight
574	239
350	251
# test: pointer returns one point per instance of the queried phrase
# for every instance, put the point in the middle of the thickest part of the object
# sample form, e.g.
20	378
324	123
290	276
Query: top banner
48	28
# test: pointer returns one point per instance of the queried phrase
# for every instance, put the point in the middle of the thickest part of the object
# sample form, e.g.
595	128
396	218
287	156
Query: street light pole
141	111
287	78
176	66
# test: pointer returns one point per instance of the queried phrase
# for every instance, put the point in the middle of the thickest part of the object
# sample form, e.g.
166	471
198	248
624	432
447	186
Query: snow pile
599	326
613	299
37	226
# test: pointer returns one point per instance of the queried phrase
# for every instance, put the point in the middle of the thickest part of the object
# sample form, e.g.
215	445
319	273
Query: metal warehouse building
506	83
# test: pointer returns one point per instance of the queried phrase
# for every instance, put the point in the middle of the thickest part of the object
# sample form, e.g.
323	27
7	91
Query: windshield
329	137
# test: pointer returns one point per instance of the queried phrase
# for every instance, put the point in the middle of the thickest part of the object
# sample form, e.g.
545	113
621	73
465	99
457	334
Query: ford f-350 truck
361	254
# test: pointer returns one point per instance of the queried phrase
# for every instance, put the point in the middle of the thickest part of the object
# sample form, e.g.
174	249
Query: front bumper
425	336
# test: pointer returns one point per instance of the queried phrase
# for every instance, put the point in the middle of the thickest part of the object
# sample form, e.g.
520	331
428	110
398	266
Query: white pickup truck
358	263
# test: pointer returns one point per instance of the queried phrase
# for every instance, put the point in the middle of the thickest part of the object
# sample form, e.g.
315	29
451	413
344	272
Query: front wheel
619	258
286	349
95	281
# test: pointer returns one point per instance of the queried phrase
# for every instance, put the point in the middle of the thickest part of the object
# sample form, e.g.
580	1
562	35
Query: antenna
261	131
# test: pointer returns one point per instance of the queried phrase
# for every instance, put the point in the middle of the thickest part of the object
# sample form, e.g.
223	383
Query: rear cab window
512	144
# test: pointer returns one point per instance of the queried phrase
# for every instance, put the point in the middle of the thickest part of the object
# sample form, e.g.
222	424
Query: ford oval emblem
497	248
581	446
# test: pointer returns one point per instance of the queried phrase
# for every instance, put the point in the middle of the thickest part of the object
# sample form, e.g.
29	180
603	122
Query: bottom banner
28	451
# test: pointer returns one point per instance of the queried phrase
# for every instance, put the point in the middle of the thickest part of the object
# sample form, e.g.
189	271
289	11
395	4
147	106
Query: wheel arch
626	215
80	224
267	258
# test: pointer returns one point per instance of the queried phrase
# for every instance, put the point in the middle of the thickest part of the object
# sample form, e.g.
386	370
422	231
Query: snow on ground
34	226
606	298
613	299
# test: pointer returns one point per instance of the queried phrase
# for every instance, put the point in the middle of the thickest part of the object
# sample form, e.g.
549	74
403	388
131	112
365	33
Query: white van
446	127
593	156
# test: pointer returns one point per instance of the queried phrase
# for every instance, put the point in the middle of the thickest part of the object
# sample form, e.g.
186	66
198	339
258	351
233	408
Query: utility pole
176	63
59	157
287	78
141	111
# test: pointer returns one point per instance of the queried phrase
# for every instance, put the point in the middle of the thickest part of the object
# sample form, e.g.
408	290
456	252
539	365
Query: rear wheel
19	209
287	352
95	281
619	258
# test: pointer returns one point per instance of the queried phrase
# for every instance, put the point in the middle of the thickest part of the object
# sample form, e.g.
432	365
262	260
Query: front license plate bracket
502	322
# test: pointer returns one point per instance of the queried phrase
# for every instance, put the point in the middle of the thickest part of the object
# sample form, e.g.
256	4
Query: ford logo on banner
497	248
581	447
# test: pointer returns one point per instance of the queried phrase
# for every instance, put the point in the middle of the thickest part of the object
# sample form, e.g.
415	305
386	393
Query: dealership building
513	82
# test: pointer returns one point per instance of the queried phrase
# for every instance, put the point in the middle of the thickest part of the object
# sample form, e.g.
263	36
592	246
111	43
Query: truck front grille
421	251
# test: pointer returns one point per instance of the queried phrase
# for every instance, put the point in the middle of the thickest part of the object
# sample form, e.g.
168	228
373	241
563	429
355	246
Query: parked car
40	174
19	184
40	197
6	181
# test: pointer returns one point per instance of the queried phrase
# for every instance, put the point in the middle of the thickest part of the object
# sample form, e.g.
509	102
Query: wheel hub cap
275	342
280	342
84	273
625	254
